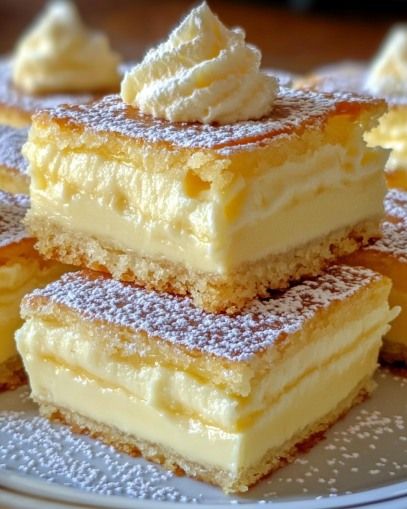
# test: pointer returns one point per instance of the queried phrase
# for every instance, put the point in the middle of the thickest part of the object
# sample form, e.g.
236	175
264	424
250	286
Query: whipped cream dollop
388	73
204	72
59	54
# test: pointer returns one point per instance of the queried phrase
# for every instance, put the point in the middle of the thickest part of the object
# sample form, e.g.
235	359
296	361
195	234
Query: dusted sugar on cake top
219	212
13	166
226	398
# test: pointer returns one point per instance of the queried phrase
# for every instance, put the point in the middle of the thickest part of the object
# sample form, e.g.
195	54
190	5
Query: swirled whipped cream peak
388	73
204	73
60	54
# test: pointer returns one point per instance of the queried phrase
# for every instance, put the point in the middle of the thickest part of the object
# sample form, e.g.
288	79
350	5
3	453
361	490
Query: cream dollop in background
204	72
388	73
59	54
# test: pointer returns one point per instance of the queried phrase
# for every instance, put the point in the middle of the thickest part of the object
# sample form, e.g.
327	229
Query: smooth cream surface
398	330
388	73
153	214
73	389
204	72
59	54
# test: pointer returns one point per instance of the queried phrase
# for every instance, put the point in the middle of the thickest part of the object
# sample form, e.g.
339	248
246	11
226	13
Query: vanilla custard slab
389	256
218	212
226	398
13	167
21	271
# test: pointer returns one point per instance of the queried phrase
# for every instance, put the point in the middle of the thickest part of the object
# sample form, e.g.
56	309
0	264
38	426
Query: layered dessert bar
385	77
21	270
57	61
220	212
389	256
13	167
225	398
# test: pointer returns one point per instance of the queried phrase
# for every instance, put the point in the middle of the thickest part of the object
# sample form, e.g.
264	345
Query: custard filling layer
187	220
398	330
187	393
18	278
299	406
392	133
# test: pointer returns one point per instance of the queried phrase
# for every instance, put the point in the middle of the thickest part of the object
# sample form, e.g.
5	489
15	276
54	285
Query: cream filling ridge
165	387
316	198
305	403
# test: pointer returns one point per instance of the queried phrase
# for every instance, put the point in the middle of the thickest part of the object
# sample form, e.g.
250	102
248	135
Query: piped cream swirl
204	72
388	73
59	54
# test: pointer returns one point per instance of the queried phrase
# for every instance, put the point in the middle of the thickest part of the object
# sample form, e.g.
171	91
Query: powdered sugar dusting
293	111
175	319
31	445
13	208
12	97
11	143
394	228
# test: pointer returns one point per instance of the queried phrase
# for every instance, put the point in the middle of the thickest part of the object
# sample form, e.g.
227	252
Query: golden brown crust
240	482
294	111
12	374
211	292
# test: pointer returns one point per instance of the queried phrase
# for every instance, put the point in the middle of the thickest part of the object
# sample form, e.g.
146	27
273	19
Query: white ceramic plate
361	463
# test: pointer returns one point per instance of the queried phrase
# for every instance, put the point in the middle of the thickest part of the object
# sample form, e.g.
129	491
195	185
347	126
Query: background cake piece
13	166
388	255
220	212
225	398
21	271
384	77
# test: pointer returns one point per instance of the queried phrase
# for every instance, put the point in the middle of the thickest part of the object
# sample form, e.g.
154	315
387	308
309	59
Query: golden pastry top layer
293	112
11	142
10	96
394	228
13	208
175	320
343	77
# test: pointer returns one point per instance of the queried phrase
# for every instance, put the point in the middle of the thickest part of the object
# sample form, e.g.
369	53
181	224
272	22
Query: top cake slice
220	212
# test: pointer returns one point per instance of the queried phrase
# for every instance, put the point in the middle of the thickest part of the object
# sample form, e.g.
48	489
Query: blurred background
296	35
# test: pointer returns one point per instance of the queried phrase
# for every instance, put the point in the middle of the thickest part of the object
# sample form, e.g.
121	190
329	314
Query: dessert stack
209	329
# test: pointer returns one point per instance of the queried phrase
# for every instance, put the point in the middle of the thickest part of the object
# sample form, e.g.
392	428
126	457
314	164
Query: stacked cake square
211	327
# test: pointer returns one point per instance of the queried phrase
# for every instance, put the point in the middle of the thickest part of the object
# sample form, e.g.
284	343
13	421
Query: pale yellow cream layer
298	407
159	215
398	331
16	279
392	133
170	389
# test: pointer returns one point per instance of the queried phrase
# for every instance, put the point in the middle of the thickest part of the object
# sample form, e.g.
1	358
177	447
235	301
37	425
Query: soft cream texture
190	221
116	403
392	133
59	54
388	73
398	331
17	278
204	72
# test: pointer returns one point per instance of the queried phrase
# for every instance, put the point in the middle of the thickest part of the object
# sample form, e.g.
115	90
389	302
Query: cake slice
225	398
389	256
21	270
13	167
219	212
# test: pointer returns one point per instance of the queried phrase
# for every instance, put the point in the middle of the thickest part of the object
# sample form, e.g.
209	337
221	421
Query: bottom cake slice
225	398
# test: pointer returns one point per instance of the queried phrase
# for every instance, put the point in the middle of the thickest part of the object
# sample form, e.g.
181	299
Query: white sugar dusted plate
362	462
